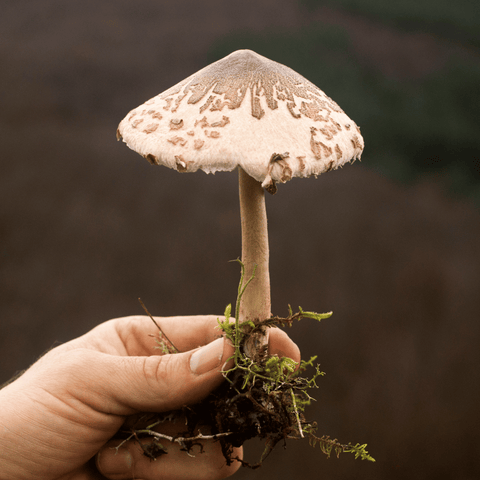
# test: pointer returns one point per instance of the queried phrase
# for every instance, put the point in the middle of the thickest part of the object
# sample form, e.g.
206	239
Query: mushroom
247	112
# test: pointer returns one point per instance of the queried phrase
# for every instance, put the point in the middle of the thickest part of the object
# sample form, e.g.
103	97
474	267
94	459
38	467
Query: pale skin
58	418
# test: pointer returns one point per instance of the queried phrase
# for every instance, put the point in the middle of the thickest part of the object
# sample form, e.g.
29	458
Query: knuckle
157	370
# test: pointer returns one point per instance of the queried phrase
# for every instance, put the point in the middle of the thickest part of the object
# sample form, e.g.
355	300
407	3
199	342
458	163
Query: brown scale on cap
182	165
176	124
150	128
151	159
338	151
155	114
198	144
356	142
203	122
225	121
178	141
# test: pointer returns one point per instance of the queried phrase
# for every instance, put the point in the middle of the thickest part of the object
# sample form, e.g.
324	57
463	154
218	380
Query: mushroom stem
255	303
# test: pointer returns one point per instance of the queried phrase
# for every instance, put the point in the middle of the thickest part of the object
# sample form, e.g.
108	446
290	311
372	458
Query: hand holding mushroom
64	409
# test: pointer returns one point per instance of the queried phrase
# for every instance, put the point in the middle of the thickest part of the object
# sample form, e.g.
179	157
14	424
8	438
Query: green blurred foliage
458	20
412	127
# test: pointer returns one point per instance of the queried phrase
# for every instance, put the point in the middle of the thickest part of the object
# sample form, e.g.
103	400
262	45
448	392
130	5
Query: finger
124	385
279	343
129	462
140	335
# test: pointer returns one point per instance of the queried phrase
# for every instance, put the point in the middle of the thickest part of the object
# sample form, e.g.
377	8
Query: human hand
62	412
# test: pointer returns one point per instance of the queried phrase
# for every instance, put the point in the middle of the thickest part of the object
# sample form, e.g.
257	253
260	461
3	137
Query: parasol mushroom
249	112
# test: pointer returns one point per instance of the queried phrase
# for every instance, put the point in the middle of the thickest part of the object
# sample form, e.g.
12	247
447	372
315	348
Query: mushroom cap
244	110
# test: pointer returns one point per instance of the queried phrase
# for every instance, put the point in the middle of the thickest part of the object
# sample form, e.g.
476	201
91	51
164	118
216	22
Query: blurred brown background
389	244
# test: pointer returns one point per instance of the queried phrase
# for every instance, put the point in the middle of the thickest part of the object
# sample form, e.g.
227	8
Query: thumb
167	382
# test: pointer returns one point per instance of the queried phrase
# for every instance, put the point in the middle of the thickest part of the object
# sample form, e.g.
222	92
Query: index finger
190	332
139	336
